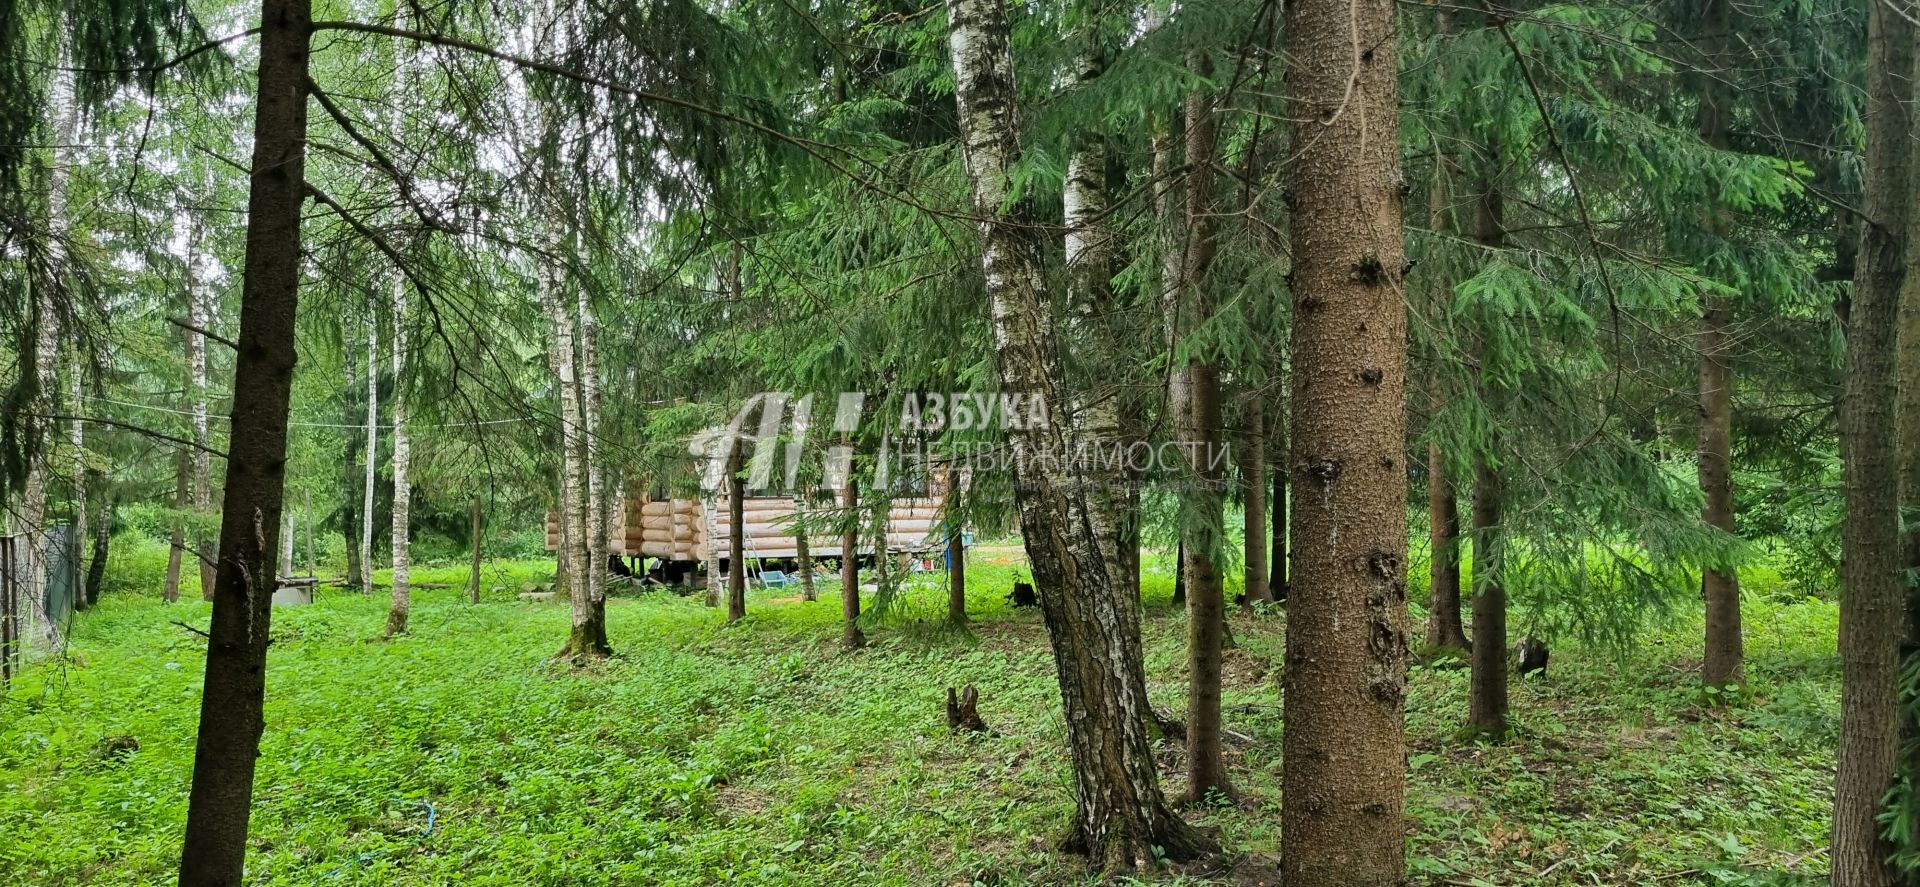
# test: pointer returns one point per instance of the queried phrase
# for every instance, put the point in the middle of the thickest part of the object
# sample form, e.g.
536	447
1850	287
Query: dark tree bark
803	550
736	535
474	518
956	559
177	540
1873	612
1346	667
1277	581
1487	703
102	539
1253	474
851	636
1205	494
1121	820
354	442
231	705
1720	588
1487	699
1180	572
1444	629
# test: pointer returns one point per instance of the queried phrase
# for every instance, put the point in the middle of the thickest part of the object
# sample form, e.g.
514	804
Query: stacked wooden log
676	529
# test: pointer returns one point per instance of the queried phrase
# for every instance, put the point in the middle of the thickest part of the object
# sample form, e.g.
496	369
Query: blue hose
433	815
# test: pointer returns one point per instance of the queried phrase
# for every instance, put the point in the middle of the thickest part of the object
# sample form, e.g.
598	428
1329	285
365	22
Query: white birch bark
402	602
77	440
1122	820
373	450
598	517
562	358
200	317
35	627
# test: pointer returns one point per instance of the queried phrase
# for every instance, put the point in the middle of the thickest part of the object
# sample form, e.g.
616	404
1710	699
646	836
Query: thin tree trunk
1088	251
401	541
200	315
599	519
373	450
102	541
1203	434
77	439
1253	475
353	432
802	549
306	512
1874	622
1721	588
851	636
1345	680
736	535
473	575
177	541
1487	699
1444	629
1121	820
1277	581
563	357
231	704
1487	704
956	554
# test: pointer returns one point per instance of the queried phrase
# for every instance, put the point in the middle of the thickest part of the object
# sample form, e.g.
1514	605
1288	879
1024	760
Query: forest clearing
762	753
1331	443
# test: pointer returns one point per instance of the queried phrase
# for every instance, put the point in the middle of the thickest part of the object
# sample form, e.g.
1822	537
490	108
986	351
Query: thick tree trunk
231	705
1444	629
1721	588
401	542
850	635
373	450
1253	475
1345	679
1874	622
474	518
736	534
1907	452
177	541
1122	820
1487	699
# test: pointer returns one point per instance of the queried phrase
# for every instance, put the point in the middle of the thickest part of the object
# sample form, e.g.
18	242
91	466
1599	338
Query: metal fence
24	616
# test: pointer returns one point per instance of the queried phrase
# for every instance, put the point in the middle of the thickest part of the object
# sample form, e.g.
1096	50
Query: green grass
762	754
